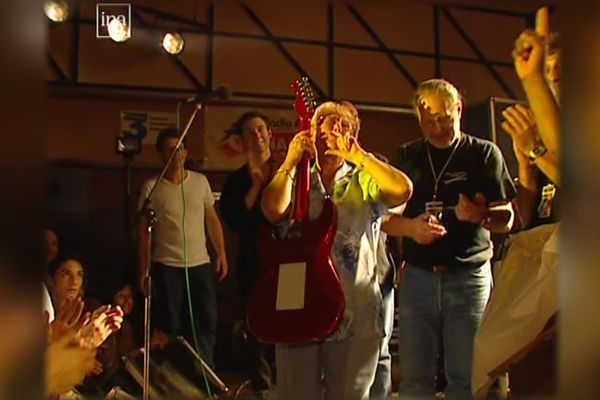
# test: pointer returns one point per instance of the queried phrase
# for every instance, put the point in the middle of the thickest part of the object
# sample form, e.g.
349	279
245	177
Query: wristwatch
538	150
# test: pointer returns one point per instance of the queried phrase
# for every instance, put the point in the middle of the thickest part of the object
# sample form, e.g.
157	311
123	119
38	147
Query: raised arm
529	60
394	186
277	196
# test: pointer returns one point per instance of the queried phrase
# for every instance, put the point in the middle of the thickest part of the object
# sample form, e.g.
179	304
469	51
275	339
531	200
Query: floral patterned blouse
354	251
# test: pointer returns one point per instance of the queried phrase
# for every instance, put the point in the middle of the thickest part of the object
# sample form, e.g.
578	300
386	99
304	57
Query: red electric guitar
298	297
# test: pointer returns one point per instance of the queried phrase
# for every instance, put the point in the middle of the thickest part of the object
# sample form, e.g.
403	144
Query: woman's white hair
341	108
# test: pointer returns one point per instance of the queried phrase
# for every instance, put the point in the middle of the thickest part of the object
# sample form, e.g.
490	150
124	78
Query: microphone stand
151	220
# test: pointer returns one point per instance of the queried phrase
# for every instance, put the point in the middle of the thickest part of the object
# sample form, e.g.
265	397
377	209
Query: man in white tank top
184	206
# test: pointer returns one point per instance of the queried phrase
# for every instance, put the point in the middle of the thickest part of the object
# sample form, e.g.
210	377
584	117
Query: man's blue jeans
433	306
170	304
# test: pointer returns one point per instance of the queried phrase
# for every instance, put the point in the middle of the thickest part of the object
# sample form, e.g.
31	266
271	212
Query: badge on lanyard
545	206
435	209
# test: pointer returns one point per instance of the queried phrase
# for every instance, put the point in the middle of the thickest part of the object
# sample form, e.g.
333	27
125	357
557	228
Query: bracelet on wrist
286	171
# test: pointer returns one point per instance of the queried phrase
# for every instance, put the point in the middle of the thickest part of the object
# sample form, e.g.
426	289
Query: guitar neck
304	108
302	189
303	176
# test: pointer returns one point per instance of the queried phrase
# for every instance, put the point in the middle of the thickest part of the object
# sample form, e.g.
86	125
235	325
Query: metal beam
382	46
330	51
75	45
330	45
285	39
530	20
486	10
59	88
210	50
436	41
351	46
161	14
267	32
189	74
507	89
157	27
178	62
57	69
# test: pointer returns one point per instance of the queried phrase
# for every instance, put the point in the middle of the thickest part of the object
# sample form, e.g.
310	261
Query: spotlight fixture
118	30
56	11
172	42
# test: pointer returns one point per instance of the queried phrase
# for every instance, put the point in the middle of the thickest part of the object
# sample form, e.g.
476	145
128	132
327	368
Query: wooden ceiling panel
401	24
369	77
474	81
252	66
494	35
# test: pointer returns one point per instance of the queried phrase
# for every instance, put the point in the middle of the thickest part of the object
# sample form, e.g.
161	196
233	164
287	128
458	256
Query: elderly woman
362	187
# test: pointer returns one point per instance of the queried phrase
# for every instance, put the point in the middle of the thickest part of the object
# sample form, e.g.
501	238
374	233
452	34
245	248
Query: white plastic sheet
525	296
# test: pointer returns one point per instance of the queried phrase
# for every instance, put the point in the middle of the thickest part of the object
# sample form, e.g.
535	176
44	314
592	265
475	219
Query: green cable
187	281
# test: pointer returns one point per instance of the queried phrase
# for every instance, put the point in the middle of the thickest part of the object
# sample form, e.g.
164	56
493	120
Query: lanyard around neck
437	177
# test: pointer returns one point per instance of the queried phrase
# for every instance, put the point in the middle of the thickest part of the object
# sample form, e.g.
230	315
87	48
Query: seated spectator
73	331
121	343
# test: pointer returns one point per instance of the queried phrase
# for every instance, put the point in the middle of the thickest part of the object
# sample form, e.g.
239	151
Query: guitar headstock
305	102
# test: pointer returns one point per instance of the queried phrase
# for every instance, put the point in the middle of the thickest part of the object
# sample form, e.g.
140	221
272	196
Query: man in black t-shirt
240	209
462	192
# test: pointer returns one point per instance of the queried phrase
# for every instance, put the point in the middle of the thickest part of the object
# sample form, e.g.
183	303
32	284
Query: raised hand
346	147
542	22
519	123
102	323
529	50
301	142
68	317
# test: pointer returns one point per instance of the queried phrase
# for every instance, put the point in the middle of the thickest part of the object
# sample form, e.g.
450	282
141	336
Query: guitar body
298	297
323	305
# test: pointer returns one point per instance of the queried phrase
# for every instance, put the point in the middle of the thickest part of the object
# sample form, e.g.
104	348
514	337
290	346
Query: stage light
128	146
56	11
172	42
118	30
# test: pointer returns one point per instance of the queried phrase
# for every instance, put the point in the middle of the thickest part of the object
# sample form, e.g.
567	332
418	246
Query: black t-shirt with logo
477	165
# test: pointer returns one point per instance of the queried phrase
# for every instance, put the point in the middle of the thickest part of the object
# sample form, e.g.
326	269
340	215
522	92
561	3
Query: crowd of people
442	196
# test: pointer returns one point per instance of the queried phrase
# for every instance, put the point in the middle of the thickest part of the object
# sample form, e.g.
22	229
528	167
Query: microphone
220	93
